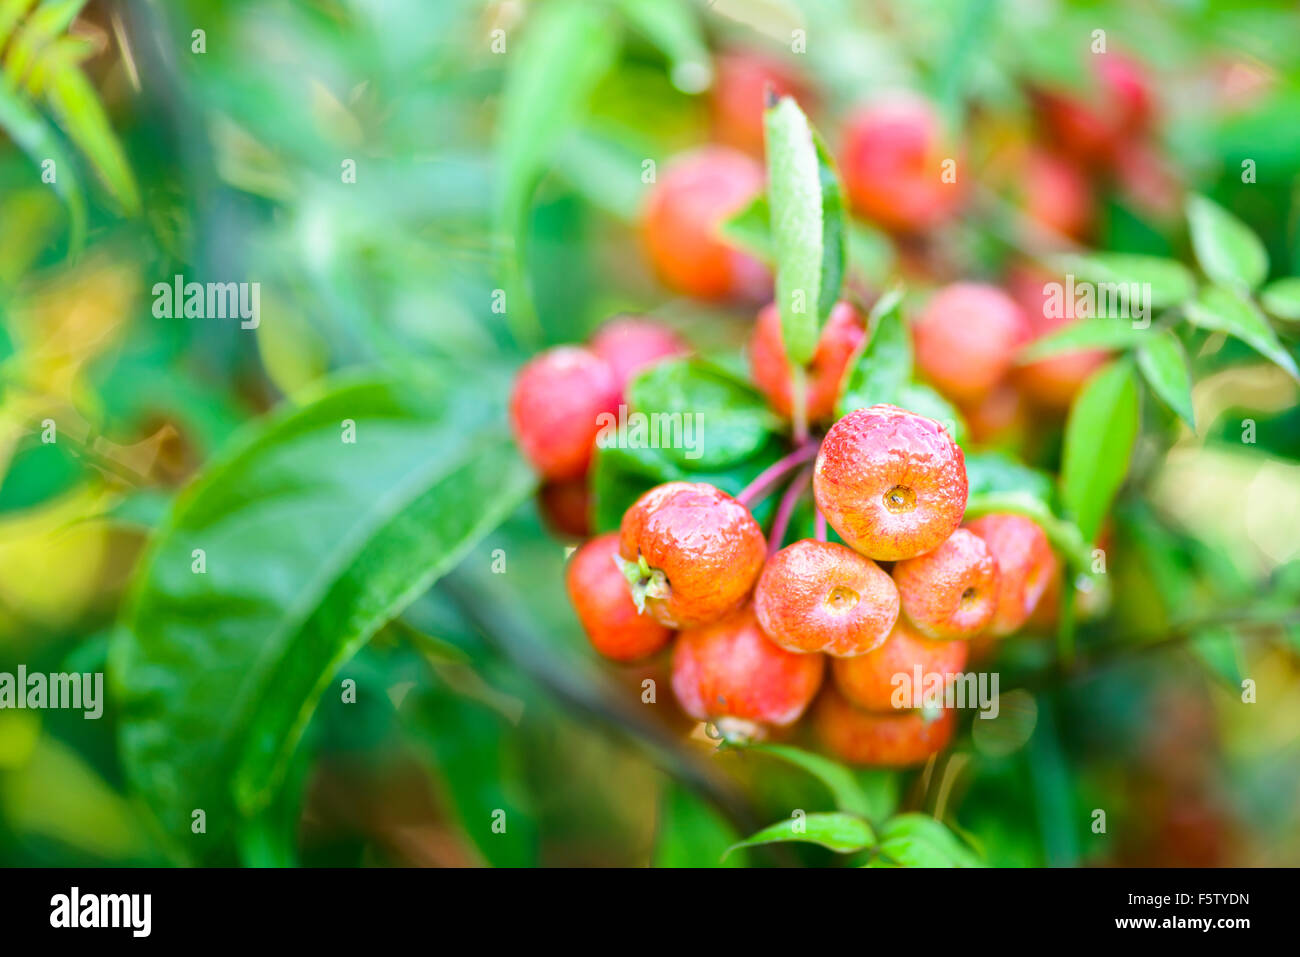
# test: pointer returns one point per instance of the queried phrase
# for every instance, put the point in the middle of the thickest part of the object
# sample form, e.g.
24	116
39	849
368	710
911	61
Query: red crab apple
966	338
730	670
1099	125
600	596
691	552
891	483
1057	194
682	226
566	507
1026	565
892	163
871	681
895	740
630	343
821	596
952	591
557	400
840	340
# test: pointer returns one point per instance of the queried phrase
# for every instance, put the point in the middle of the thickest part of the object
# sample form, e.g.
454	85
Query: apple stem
763	482
819	526
785	510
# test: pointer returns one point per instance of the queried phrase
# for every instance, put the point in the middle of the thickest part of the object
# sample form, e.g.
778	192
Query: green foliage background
414	564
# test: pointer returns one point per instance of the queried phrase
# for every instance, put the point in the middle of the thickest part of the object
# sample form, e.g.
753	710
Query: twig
755	490
784	511
819	525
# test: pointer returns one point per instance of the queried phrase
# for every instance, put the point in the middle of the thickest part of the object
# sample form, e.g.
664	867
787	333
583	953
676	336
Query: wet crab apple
966	339
950	592
891	483
895	740
869	681
892	163
821	596
555	408
683	220
730	670
840	340
599	594
691	552
630	343
1026	565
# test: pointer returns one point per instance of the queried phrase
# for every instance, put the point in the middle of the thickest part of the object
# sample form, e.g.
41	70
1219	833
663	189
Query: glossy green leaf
1085	334
1099	437
842	833
700	418
1282	298
1163	282
834	231
918	840
794	196
308	545
996	472
1227	249
1225	310
885	365
1164	365
691	833
845	790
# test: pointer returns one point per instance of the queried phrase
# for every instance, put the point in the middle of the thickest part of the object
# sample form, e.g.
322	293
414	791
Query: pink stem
756	489
819	526
785	510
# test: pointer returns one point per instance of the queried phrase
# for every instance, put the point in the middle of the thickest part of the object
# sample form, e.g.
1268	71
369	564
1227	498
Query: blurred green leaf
1168	281
692	834
1164	364
751	229
844	788
1217	650
1085	334
842	833
310	544
795	197
885	365
38	140
674	27
705	420
918	840
1227	249
997	472
1099	437
1226	310
1282	298
923	400
77	106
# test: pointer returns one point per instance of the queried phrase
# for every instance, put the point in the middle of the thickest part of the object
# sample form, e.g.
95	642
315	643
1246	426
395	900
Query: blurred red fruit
566	507
682	226
1057	195
556	401
966	339
841	337
630	343
1096	128
891	161
879	740
1053	382
736	101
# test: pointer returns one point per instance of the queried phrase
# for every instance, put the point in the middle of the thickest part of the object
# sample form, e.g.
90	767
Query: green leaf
1166	282
842	833
845	790
1099	437
37	139
691	833
1217	650
674	27
1164	364
918	840
309	545
998	473
923	400
795	197
1227	249
751	229
473	752
78	109
834	231
1225	310
885	365
1282	298
699	418
1085	334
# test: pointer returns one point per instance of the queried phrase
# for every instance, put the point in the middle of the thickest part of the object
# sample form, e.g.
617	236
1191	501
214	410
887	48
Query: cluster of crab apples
906	581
